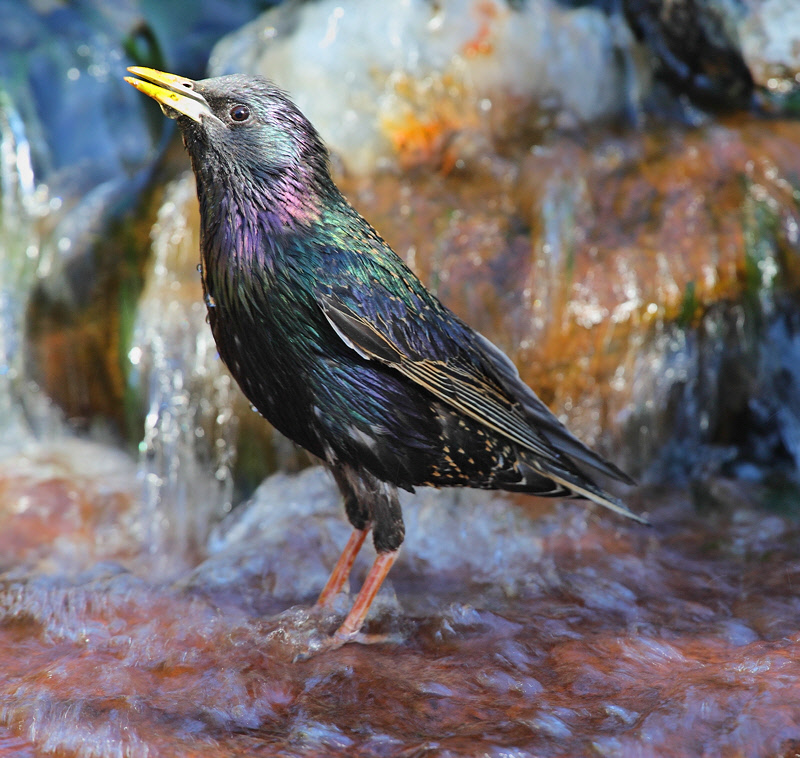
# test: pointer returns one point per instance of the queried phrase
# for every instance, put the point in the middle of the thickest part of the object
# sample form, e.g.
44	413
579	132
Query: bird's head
239	123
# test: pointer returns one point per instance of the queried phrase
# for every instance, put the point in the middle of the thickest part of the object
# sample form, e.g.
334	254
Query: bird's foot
316	647
338	639
350	630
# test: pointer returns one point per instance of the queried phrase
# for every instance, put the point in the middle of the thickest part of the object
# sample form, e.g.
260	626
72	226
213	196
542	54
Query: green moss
760	222
690	306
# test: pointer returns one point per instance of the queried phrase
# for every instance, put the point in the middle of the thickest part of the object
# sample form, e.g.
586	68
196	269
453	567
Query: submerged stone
506	628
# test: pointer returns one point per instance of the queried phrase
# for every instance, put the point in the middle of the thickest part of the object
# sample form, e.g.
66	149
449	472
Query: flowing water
507	631
23	204
189	443
145	612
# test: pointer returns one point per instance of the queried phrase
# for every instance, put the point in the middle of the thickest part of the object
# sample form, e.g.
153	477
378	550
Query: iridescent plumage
336	341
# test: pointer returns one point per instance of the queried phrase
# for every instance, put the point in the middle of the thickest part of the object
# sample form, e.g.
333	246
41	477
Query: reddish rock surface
512	629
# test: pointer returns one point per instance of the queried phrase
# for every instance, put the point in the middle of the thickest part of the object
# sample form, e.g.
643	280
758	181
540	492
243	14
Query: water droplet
210	303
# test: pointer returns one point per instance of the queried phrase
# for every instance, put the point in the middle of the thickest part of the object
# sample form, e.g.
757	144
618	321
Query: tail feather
579	485
600	497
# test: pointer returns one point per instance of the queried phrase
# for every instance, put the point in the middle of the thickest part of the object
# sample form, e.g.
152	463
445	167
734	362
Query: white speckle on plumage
362	438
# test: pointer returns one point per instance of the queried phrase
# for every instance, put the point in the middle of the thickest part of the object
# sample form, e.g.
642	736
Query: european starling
338	344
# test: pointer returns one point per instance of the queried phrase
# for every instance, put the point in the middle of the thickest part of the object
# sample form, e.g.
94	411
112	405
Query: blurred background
609	190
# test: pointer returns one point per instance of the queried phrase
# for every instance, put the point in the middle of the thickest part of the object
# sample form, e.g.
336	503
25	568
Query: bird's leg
367	502
388	533
341	570
358	613
358	515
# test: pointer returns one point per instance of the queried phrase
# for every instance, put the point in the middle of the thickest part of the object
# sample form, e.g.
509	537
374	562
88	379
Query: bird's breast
266	334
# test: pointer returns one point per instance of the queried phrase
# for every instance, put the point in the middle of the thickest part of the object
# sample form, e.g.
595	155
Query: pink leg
343	566
352	624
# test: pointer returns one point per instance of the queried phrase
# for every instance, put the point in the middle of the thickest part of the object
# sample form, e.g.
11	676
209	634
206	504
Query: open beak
175	94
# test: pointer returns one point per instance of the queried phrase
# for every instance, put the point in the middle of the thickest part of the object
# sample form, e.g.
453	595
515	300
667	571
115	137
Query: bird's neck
247	226
280	203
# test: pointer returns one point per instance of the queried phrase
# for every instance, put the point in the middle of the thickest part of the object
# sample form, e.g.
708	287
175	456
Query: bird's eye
240	113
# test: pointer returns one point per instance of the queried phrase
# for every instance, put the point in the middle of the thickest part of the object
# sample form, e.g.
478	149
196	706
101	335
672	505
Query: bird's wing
499	399
488	390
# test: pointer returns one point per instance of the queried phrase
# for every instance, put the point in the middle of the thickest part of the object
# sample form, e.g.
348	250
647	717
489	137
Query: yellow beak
175	94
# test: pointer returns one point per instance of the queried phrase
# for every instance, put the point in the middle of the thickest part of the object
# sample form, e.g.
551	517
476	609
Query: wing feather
460	385
555	431
492	394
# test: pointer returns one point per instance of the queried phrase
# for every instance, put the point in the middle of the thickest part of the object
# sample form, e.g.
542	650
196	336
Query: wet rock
65	506
509	629
61	67
200	24
401	83
770	36
721	52
696	47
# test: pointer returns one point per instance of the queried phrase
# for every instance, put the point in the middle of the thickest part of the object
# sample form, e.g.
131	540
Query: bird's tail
579	485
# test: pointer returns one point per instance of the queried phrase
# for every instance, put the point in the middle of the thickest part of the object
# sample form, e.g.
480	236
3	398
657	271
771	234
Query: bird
339	345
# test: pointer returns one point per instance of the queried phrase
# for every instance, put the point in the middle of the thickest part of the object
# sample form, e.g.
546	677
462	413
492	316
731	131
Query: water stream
189	444
23	410
645	281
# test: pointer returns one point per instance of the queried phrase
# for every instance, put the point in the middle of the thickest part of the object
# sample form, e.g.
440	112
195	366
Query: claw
337	640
